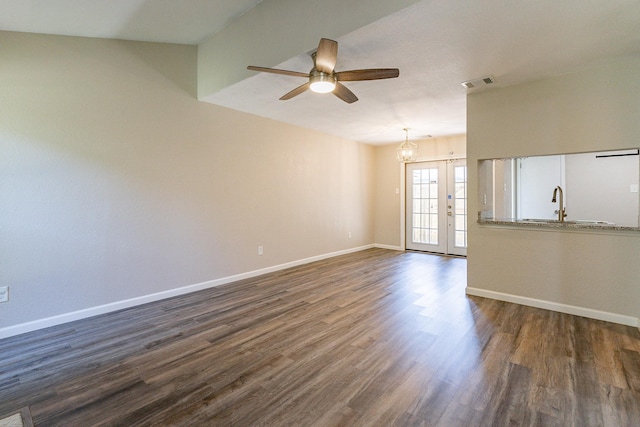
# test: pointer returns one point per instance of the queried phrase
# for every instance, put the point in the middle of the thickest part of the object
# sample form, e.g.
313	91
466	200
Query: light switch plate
633	188
4	293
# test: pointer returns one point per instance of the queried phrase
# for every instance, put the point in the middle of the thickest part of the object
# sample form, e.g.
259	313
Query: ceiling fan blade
297	91
277	71
342	92
367	74
326	55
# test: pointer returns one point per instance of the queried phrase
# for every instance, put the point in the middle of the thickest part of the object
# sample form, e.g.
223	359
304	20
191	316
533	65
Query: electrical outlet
260	250
4	293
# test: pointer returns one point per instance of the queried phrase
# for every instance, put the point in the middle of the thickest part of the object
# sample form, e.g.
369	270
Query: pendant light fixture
407	151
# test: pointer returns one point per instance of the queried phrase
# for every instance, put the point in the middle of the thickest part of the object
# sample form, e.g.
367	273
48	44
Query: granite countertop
550	223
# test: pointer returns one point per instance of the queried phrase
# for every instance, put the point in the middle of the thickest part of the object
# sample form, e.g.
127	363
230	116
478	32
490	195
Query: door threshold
435	253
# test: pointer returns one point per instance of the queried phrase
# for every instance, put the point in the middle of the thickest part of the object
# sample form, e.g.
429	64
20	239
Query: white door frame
403	192
452	216
436	223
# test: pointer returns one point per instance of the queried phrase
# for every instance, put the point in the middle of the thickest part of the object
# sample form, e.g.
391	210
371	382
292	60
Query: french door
436	207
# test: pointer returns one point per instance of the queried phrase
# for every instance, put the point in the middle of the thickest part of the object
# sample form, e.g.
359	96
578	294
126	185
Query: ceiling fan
323	78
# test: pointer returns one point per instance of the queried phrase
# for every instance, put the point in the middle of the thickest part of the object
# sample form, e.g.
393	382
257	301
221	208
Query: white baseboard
555	306
119	305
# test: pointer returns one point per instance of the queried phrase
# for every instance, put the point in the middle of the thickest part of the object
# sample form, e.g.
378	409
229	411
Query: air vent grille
476	83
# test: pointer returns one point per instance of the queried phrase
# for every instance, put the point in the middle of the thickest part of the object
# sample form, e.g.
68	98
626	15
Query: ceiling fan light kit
320	82
324	79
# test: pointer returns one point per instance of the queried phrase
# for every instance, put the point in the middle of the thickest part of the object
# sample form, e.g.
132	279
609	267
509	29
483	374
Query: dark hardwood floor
374	338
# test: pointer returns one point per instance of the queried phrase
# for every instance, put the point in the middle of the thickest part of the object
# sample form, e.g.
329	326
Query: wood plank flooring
374	338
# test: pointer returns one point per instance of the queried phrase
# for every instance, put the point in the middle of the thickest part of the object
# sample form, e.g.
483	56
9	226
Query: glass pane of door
425	206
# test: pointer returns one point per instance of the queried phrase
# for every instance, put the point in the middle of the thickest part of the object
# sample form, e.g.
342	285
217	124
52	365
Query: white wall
596	109
116	183
599	188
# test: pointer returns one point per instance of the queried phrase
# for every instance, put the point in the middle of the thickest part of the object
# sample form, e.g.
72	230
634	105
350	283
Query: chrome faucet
562	211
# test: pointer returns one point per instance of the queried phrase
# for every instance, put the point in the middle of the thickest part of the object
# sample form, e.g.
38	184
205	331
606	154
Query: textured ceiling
435	44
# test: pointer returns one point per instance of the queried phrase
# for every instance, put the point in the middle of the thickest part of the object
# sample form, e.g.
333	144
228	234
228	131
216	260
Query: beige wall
596	109
117	183
388	176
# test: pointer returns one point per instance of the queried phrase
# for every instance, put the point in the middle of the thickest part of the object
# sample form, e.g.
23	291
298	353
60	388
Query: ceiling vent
476	83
